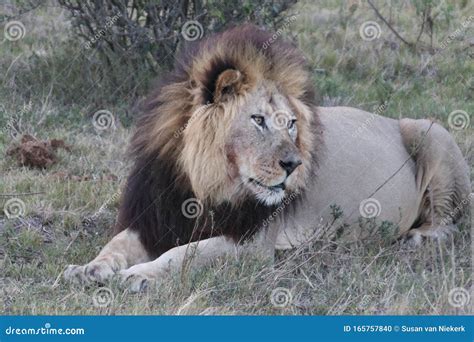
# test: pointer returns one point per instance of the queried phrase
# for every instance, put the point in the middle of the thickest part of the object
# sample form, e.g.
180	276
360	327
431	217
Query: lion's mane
177	158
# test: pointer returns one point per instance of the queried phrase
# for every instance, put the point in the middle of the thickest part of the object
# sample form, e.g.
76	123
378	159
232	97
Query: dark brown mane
157	187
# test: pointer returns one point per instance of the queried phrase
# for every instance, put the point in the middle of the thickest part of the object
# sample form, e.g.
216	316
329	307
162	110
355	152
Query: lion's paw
416	236
95	271
135	280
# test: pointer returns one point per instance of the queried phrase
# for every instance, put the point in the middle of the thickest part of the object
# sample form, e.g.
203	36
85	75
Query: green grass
322	277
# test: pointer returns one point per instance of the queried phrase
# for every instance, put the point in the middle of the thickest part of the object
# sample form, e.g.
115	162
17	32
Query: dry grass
321	277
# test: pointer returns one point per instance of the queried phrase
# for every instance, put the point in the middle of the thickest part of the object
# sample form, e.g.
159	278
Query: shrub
149	32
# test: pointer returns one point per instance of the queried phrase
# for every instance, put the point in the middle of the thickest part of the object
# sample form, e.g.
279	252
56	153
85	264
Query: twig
388	24
425	17
22	194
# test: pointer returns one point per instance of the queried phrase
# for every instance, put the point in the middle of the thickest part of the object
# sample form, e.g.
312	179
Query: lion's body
236	130
367	157
357	164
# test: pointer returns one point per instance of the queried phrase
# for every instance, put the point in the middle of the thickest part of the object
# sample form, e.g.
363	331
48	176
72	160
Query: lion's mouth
277	187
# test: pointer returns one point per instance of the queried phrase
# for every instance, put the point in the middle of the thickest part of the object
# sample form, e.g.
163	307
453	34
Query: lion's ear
228	83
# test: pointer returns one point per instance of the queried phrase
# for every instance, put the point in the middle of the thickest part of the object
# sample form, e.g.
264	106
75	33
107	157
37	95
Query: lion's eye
258	120
291	124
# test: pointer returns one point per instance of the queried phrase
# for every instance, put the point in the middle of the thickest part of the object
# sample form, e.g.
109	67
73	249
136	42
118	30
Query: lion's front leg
192	255
123	251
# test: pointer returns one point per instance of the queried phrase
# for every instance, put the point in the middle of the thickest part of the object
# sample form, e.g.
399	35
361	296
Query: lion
232	147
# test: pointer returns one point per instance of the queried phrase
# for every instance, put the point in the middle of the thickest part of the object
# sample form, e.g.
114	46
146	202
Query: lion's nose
290	164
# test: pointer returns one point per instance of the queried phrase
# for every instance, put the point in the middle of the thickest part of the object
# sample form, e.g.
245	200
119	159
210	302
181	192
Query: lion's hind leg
123	251
442	179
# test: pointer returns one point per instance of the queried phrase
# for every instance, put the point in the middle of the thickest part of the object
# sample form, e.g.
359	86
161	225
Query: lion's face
261	147
252	140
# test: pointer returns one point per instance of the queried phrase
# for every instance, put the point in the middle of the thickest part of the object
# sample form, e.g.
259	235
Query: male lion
232	143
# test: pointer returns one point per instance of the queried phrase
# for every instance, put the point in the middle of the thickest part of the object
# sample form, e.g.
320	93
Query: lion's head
253	143
241	120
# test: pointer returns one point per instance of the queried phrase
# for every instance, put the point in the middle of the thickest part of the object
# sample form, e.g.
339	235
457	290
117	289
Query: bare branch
389	25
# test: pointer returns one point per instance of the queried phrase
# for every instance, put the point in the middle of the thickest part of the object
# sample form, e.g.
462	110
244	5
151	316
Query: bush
148	33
